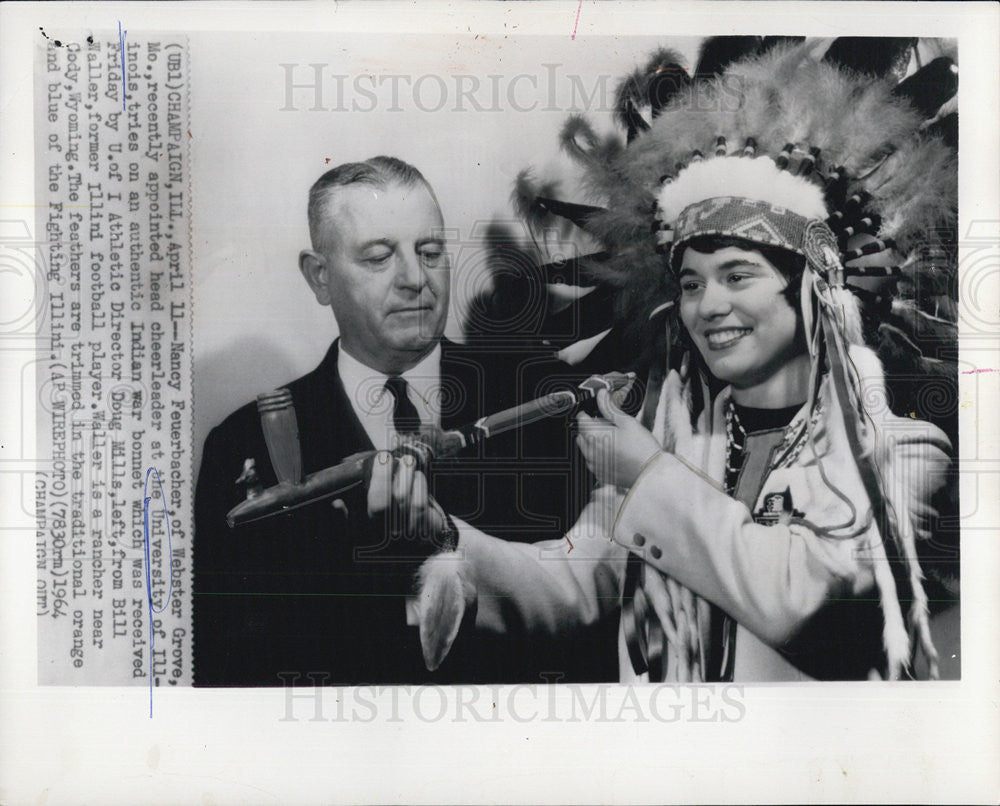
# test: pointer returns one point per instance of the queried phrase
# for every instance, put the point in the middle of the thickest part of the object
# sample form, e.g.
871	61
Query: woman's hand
616	447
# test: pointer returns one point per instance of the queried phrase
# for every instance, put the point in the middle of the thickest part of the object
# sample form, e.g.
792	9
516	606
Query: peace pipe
277	416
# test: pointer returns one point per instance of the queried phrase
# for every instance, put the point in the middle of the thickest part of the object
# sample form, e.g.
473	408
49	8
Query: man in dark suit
319	595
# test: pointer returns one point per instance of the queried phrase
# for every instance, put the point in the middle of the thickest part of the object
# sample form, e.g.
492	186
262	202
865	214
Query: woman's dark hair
789	263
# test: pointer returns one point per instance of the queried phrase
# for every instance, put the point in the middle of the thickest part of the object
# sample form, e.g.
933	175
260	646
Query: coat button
656	552
638	539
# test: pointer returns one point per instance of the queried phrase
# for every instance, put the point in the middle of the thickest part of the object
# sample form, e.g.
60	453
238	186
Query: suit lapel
326	415
462	380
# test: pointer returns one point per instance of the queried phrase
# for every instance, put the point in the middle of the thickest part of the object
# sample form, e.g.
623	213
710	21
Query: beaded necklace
792	441
736	440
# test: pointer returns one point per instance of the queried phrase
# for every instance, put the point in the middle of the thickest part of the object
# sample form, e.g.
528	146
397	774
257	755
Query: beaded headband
772	206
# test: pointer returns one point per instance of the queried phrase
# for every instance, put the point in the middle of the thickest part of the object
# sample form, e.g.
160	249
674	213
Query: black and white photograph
765	567
607	388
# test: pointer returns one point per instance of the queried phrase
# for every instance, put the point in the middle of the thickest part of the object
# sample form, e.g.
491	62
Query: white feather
444	594
759	179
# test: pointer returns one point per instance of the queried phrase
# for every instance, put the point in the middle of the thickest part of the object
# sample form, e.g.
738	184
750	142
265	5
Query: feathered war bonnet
785	150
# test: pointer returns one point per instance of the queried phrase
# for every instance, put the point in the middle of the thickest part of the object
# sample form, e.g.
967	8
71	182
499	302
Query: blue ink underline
121	49
151	609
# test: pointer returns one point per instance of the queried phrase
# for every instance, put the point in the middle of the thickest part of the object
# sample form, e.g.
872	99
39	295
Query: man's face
381	266
733	308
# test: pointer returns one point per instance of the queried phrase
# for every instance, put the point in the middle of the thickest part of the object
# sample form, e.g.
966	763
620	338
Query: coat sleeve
550	587
771	579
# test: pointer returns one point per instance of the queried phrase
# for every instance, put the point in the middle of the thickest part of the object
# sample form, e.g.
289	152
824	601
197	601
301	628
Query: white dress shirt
373	403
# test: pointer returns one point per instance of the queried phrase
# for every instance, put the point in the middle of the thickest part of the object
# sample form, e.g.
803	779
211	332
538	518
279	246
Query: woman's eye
736	277
689	287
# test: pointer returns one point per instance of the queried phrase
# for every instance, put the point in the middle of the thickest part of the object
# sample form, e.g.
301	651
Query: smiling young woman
735	310
765	510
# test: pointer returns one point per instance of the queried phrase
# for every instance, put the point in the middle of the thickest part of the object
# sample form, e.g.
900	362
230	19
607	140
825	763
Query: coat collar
326	415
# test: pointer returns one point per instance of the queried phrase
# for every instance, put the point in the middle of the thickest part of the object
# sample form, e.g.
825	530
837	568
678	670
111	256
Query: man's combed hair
378	172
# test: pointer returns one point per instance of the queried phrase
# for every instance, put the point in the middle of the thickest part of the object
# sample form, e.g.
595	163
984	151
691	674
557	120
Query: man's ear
314	269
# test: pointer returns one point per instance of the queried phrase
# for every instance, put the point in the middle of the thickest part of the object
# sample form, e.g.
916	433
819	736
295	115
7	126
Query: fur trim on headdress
758	179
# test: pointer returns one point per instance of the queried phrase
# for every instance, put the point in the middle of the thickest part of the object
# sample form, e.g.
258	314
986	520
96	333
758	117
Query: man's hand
399	493
616	447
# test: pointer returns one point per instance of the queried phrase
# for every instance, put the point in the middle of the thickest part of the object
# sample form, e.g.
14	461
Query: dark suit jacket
317	595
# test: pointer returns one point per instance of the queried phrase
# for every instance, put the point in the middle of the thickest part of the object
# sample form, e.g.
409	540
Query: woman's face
746	331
